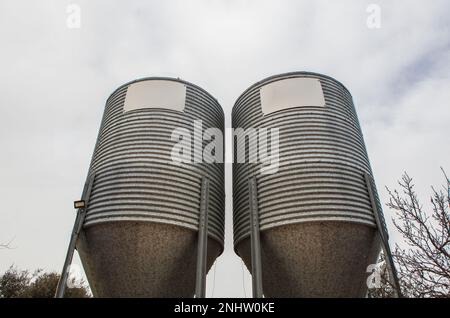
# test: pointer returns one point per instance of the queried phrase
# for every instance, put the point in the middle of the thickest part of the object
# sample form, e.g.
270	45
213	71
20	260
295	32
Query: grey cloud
54	82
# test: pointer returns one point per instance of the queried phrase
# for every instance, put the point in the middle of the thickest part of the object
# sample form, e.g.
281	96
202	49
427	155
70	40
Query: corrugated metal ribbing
322	161
136	179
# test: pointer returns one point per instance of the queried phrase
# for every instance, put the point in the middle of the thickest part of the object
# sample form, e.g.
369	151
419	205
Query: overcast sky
54	81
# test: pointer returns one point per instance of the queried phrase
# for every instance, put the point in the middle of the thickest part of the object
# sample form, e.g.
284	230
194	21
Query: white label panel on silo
291	92
155	94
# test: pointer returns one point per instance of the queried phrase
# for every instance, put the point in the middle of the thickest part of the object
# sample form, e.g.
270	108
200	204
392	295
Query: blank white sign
291	92
155	94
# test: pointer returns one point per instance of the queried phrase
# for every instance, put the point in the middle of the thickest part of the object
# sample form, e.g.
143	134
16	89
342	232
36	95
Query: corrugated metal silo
318	228
139	237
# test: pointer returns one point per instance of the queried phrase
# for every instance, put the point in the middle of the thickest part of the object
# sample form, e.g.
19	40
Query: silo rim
164	78
272	77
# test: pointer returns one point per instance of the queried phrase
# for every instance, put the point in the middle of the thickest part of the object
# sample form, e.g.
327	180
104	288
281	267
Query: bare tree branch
6	245
424	267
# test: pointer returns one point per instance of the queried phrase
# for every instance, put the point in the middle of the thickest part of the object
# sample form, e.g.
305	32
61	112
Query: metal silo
139	235
319	211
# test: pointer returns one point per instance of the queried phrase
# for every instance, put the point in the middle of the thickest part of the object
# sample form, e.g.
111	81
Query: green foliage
16	283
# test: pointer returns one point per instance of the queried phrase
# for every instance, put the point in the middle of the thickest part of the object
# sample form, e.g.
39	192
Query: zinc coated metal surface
136	179
322	161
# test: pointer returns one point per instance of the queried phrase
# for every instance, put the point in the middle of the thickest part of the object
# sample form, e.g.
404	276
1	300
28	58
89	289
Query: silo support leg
384	238
200	284
79	220
255	240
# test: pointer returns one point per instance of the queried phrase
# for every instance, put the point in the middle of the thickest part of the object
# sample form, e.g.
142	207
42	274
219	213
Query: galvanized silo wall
318	231
140	231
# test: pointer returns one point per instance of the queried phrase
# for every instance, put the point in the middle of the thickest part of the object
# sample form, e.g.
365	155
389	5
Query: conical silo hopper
139	237
318	230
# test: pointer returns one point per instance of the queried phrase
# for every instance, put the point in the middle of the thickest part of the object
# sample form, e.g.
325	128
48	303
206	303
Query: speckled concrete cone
317	259
142	259
140	234
318	230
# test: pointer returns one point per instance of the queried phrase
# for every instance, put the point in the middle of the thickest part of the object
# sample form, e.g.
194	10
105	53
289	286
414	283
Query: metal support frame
202	249
255	240
77	227
383	236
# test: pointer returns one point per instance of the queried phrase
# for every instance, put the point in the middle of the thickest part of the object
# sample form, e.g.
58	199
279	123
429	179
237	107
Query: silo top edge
282	75
163	78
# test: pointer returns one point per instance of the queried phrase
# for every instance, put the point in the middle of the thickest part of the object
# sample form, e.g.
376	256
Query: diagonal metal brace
383	236
79	221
